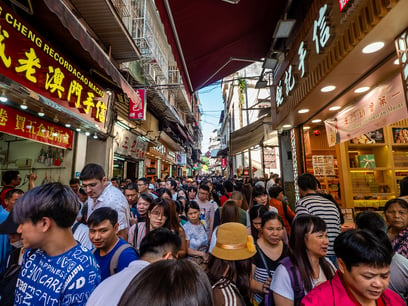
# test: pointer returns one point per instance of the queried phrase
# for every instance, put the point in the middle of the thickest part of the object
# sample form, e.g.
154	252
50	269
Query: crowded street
204	153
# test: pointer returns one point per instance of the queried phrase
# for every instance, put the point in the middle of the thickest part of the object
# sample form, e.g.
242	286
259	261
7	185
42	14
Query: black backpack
8	278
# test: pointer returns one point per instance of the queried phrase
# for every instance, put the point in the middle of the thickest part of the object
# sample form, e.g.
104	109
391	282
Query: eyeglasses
158	214
91	185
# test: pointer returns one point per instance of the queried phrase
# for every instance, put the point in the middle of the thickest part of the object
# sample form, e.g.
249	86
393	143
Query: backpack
113	266
295	281
8	278
75	226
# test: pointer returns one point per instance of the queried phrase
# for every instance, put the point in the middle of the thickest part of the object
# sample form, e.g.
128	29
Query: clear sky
211	106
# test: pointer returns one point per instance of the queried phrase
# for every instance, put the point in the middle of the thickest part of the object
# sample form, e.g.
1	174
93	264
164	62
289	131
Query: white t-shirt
81	235
112	197
281	281
111	289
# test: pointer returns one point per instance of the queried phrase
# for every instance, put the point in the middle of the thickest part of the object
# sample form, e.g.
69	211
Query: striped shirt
227	294
261	273
317	205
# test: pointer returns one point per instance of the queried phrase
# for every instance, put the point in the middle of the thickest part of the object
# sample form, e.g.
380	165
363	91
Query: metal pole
247	115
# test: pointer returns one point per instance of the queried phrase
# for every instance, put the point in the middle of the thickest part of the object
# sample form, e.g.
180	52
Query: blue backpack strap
295	280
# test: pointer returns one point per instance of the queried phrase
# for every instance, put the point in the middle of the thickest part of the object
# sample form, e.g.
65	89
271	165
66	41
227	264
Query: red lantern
316	132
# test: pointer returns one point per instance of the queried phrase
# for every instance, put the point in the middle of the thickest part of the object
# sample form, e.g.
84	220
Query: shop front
50	108
129	154
340	102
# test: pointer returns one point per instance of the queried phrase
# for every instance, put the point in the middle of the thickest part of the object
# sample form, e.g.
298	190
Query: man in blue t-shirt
112	253
60	271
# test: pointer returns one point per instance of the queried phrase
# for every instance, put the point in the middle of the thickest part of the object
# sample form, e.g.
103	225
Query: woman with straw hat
229	266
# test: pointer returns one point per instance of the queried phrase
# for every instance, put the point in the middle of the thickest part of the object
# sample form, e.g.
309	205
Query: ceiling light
78	129
3	97
362	89
374	47
87	133
303	111
122	125
41	112
24	105
286	126
67	125
283	28
328	88
316	120
306	127
334	108
396	62
95	136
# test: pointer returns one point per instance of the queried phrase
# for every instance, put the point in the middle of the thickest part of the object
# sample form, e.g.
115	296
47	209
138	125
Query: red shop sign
24	125
27	58
137	111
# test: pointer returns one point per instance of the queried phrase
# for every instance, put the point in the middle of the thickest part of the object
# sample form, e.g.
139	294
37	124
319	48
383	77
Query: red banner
27	58
24	125
137	111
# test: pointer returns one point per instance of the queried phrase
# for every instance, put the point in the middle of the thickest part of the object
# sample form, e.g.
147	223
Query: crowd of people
195	241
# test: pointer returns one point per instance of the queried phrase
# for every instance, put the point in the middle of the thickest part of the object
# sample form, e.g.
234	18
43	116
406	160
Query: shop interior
51	164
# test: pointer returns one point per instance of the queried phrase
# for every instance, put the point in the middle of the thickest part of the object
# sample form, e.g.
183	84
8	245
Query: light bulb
24	105
41	112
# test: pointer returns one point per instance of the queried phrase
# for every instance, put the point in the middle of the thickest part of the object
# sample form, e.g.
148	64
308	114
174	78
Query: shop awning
213	38
249	136
70	22
223	152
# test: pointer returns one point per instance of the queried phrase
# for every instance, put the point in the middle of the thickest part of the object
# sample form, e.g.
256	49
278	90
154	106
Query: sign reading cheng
27	58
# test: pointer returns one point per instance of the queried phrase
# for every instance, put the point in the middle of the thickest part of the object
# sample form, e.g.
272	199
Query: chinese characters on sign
24	125
28	59
129	144
323	165
321	30
137	111
382	106
321	36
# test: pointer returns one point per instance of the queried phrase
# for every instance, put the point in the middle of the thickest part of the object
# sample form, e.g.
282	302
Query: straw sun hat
233	242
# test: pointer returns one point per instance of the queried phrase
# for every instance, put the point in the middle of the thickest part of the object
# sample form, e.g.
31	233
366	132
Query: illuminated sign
28	59
24	125
320	37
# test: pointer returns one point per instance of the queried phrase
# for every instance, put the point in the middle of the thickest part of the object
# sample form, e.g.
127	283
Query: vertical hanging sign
401	44
137	111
